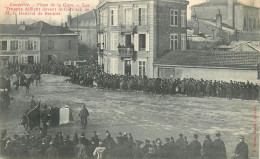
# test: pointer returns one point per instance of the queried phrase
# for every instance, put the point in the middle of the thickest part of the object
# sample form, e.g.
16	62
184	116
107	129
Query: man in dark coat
45	118
95	139
218	148
83	116
195	148
146	147
241	151
109	141
137	151
80	150
51	152
207	147
180	147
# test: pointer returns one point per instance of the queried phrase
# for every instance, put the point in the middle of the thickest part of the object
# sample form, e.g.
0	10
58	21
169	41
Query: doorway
30	59
127	67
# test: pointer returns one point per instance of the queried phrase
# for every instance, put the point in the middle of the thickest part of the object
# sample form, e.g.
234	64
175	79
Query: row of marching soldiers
60	146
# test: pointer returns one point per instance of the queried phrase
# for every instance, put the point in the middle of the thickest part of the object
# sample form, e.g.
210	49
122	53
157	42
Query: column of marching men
61	146
87	75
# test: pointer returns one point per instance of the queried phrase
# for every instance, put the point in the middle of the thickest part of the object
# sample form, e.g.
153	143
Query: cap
242	137
218	134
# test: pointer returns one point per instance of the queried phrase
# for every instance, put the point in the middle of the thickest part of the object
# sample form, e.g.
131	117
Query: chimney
219	20
22	26
231	13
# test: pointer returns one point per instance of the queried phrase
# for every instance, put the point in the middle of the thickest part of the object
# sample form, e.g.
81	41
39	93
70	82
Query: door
30	59
49	58
127	67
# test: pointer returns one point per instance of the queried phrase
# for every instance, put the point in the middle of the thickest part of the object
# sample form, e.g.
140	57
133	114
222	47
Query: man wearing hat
241	151
146	146
45	118
218	148
195	148
109	141
99	151
180	147
207	147
80	149
167	149
95	138
83	116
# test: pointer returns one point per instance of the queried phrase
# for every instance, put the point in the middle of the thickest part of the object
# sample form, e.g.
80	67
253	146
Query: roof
37	28
84	20
244	46
213	22
220	2
210	58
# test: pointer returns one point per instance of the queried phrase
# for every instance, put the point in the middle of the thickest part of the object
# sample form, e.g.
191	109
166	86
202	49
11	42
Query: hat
207	136
139	142
101	143
218	134
242	137
82	134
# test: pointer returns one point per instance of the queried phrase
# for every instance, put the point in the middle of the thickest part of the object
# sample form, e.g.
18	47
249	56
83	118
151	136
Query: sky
52	19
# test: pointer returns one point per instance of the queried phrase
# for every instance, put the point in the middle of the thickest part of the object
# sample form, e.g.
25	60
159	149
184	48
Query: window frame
141	68
173	17
142	48
185	39
175	40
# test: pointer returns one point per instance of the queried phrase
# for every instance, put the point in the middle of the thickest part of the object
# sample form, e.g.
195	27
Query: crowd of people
62	146
87	75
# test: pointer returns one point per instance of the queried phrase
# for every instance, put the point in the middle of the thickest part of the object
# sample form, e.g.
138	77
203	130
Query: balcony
126	52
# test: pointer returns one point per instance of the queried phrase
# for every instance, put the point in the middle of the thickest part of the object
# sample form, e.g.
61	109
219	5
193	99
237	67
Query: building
237	61
132	34
86	26
39	42
232	19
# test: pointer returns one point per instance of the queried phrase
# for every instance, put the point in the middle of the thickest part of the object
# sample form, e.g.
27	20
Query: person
99	151
218	148
195	148
241	151
207	147
137	151
80	149
146	146
51	152
95	138
109	141
45	119
83	116
32	102
180	147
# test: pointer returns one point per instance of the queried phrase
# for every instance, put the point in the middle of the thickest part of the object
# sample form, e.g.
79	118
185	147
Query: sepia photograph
129	79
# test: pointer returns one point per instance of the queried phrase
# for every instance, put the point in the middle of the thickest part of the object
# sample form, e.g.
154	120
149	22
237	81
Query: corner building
132	34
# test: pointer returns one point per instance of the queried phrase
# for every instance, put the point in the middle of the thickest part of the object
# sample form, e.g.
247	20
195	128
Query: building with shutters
132	34
36	43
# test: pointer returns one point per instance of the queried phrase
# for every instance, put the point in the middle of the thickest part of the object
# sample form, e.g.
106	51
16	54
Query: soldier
109	141
45	119
99	151
83	116
195	148
95	139
218	148
137	152
207	147
146	146
241	151
32	102
180	147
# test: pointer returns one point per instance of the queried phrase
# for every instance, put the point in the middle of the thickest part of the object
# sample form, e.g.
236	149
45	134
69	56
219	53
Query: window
50	45
142	41
14	45
114	41
174	17
141	16
128	16
3	45
105	18
141	68
113	17
250	24
34	45
183	41
105	41
174	42
69	45
183	18
29	45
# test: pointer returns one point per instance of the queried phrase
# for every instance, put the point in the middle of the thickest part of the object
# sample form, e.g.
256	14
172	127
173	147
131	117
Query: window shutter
147	46
136	14
136	42
115	17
